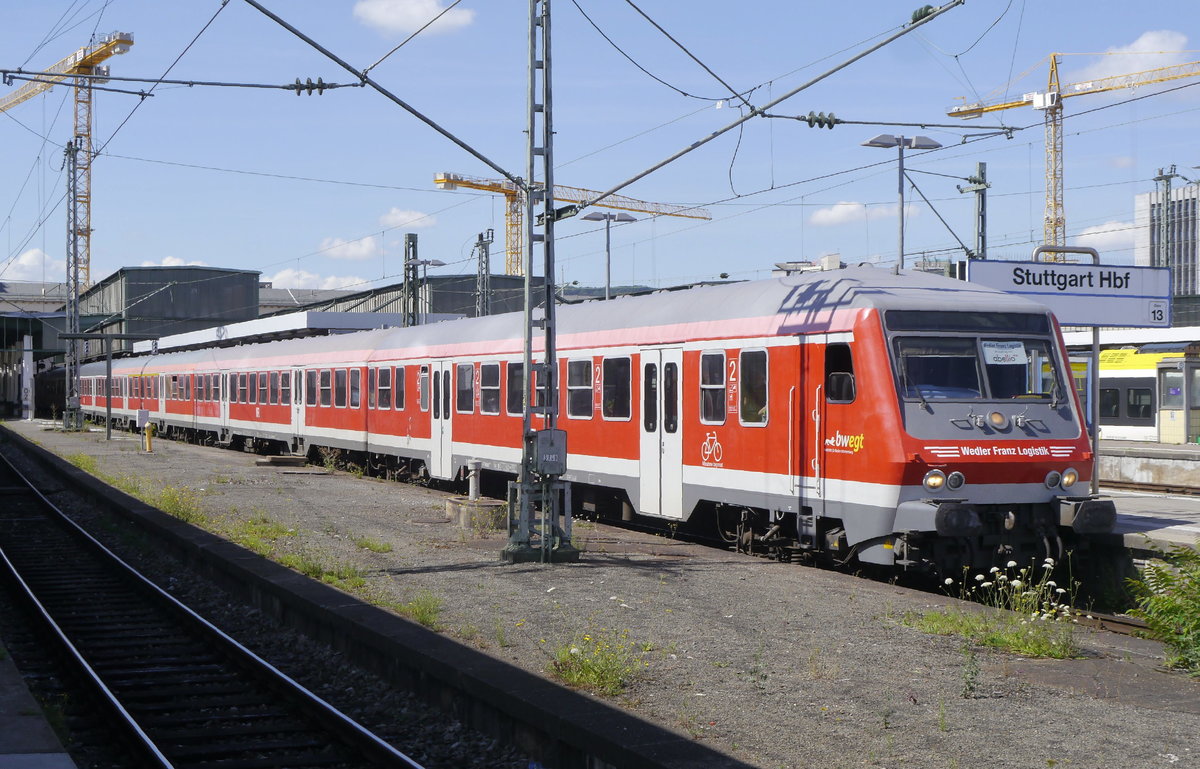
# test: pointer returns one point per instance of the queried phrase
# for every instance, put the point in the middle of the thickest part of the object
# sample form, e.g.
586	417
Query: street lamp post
608	219
900	142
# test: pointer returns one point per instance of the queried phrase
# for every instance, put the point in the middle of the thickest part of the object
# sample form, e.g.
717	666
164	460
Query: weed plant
372	544
602	661
1035	617
1168	596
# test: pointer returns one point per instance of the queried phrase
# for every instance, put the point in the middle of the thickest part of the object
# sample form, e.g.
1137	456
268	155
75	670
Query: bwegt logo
839	441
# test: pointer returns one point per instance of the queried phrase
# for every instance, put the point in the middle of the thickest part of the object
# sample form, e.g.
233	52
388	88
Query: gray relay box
550	452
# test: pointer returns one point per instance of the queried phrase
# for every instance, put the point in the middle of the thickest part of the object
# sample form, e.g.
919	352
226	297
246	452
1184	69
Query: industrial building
1168	237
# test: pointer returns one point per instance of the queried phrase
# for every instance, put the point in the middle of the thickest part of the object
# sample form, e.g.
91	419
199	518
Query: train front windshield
942	359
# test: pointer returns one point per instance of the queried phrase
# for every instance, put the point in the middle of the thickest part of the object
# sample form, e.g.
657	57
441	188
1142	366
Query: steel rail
309	704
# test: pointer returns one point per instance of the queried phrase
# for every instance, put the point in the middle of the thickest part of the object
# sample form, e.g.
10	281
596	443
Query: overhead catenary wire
917	23
389	95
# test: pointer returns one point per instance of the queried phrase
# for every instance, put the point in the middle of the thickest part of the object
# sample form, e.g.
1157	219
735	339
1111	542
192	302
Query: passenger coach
900	419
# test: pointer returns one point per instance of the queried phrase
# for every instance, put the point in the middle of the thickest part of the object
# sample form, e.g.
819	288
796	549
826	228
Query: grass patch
603	662
372	544
1034	618
182	502
1168	596
258	533
425	608
346	576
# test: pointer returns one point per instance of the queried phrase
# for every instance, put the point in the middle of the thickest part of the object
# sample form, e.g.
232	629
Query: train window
437	396
243	390
285	388
489	388
650	398
310	388
423	388
398	388
1110	402
513	396
326	387
187	387
446	394
201	387
839	373
938	367
670	397
617	390
579	389
1139	403
1170	394
385	387
355	388
712	388
273	390
464	388
264	388
339	388
370	388
753	391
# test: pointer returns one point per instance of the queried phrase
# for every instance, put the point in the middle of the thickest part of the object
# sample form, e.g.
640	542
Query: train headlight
1053	478
998	420
934	480
955	480
1069	477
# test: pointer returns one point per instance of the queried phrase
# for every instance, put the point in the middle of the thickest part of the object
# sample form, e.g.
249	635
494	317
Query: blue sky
318	191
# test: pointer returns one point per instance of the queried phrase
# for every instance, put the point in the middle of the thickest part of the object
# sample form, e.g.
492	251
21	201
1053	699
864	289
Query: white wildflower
949	581
1051	583
1060	591
986	584
994	569
1010	564
1017	584
575	650
979	578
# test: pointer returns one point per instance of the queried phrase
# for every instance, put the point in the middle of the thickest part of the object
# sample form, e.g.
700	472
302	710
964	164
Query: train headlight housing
1069	477
1053	478
998	420
934	480
955	480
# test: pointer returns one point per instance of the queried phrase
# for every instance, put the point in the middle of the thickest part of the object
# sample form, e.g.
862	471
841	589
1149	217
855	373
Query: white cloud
844	212
290	278
1123	161
1111	239
400	218
1157	48
174	261
350	250
34	265
407	16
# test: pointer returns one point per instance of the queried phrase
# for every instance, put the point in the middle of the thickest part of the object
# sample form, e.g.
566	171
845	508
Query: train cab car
898	419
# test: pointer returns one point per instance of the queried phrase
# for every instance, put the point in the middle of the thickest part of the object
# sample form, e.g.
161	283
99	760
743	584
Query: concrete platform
26	739
1149	521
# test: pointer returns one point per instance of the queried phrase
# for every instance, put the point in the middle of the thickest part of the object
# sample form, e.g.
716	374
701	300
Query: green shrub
1168	597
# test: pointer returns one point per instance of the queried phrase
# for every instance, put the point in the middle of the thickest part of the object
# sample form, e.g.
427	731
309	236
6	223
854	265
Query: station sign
1085	294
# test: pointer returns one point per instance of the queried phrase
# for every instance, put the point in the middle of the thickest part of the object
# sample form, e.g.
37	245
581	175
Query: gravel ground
778	665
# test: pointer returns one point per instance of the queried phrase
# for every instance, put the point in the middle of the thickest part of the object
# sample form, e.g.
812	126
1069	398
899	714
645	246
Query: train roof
794	304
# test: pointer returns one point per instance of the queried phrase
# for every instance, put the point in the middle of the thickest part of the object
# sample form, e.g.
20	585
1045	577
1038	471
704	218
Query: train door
661	484
441	458
297	375
827	376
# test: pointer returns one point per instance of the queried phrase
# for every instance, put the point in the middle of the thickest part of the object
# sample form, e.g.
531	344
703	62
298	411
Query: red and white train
901	419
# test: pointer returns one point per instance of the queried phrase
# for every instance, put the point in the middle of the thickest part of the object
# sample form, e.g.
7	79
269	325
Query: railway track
1151	488
173	689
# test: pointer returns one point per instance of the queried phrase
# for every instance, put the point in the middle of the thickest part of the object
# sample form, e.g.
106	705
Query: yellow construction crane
85	61
1050	102
514	209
